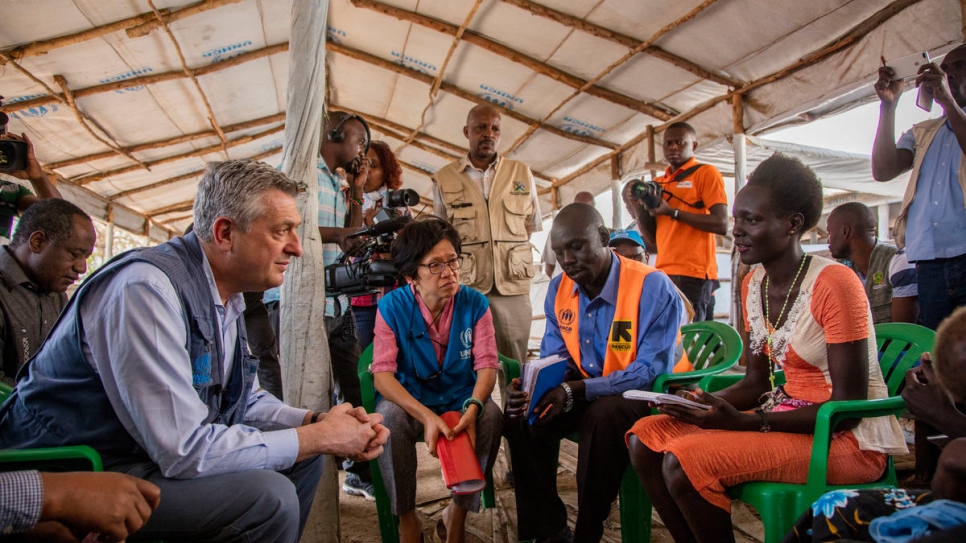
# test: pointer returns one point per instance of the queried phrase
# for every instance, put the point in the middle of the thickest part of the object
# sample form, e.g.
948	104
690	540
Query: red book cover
458	461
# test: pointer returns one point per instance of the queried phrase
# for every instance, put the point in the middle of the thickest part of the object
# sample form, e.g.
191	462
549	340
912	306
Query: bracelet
765	427
570	397
315	417
473	401
675	214
356	201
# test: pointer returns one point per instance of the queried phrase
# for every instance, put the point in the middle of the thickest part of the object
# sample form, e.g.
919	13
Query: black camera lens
402	198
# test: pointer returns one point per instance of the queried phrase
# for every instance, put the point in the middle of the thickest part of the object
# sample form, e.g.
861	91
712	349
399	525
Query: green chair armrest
511	368
830	414
5	391
74	458
366	382
664	381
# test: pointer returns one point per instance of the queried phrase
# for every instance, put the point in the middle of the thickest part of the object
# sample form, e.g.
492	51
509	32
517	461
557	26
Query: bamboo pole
148	79
177	178
456	91
83	119
184	67
160	144
543	68
84	180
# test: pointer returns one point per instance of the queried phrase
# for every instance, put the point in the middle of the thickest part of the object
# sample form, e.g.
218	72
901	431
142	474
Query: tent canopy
126	101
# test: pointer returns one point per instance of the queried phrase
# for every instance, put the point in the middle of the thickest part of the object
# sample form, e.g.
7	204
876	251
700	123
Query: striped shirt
332	213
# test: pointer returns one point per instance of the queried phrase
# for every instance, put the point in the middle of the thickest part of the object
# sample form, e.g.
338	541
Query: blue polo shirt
659	319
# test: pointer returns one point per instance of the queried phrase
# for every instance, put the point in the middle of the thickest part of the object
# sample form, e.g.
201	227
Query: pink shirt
385	349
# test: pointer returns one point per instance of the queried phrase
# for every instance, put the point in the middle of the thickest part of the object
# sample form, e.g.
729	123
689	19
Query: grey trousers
398	461
257	505
512	316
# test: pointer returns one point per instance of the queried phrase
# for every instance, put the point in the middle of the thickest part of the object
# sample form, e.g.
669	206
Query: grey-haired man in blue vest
149	365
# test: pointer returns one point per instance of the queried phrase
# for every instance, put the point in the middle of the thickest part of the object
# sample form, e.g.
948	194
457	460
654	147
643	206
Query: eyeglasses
436	268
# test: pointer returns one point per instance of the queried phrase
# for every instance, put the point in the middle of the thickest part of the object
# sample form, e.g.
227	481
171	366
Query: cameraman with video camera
679	213
18	160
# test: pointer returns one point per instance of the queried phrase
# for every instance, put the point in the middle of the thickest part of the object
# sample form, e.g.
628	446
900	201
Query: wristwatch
570	397
675	214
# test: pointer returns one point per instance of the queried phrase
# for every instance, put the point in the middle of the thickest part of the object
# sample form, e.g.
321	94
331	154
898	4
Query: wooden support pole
194	80
456	91
617	202
189	175
83	119
278	117
84	180
621	39
148	79
144	23
499	49
738	114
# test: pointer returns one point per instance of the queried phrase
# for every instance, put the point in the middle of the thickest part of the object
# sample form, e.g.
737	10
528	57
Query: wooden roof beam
189	175
855	34
623	40
659	112
150	79
278	117
138	25
180	207
85	180
456	91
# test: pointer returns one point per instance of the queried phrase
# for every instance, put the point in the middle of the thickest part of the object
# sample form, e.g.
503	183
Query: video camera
359	272
648	192
13	153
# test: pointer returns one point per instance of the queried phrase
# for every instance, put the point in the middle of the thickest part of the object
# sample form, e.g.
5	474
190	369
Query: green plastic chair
780	504
389	523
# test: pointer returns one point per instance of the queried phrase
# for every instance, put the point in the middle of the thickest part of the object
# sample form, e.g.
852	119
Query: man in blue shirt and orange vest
617	321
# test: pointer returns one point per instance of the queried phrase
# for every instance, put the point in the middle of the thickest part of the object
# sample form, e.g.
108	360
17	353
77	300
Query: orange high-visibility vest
622	340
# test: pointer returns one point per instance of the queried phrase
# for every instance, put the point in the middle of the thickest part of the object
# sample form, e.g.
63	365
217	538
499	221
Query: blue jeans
942	288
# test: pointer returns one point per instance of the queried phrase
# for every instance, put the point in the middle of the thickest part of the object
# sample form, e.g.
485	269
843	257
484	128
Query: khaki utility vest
878	289
496	242
923	133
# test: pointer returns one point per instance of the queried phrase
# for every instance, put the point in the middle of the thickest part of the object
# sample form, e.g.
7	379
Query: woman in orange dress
804	314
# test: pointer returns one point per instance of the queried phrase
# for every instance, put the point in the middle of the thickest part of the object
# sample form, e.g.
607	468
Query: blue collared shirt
659	318
134	336
937	218
21	501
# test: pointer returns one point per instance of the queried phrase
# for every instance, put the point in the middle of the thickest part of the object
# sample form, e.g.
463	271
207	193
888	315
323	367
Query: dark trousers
698	292
365	324
263	342
942	288
601	461
344	354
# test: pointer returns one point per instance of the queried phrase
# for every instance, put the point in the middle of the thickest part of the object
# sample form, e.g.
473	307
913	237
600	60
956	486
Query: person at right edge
932	218
692	209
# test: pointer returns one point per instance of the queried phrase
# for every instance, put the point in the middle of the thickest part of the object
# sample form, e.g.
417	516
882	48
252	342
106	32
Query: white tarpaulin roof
580	82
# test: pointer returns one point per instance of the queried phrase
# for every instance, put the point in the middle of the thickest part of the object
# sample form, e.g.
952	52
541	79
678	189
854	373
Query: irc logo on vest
621	336
565	318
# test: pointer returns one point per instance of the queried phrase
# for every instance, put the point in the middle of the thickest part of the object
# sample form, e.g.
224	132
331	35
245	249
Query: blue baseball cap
628	235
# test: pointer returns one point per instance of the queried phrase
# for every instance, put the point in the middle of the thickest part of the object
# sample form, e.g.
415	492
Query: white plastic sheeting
741	41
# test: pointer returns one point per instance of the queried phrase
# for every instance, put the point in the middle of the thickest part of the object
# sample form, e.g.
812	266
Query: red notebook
458	461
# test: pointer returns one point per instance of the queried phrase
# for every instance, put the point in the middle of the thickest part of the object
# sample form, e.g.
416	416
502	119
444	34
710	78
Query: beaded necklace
772	327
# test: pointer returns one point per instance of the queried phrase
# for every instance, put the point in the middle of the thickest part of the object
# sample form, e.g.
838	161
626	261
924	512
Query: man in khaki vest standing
492	203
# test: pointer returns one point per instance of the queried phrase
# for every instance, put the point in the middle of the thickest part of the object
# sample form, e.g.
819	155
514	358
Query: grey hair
233	189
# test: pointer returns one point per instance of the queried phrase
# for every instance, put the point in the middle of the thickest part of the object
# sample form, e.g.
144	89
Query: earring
791	231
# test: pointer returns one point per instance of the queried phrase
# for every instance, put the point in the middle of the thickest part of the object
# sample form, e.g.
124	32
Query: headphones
337	132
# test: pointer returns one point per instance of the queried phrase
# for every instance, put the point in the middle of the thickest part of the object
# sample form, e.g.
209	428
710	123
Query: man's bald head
855	214
584	197
579	239
483	132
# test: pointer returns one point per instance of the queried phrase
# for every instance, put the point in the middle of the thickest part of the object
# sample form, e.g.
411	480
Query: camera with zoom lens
402	198
648	192
361	271
13	153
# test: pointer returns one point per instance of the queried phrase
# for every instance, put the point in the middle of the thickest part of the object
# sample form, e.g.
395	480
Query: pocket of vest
520	262
518	210
464	221
468	270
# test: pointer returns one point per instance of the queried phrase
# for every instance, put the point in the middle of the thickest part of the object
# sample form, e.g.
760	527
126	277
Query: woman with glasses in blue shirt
434	351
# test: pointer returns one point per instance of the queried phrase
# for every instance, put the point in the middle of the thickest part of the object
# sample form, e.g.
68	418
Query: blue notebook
540	376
